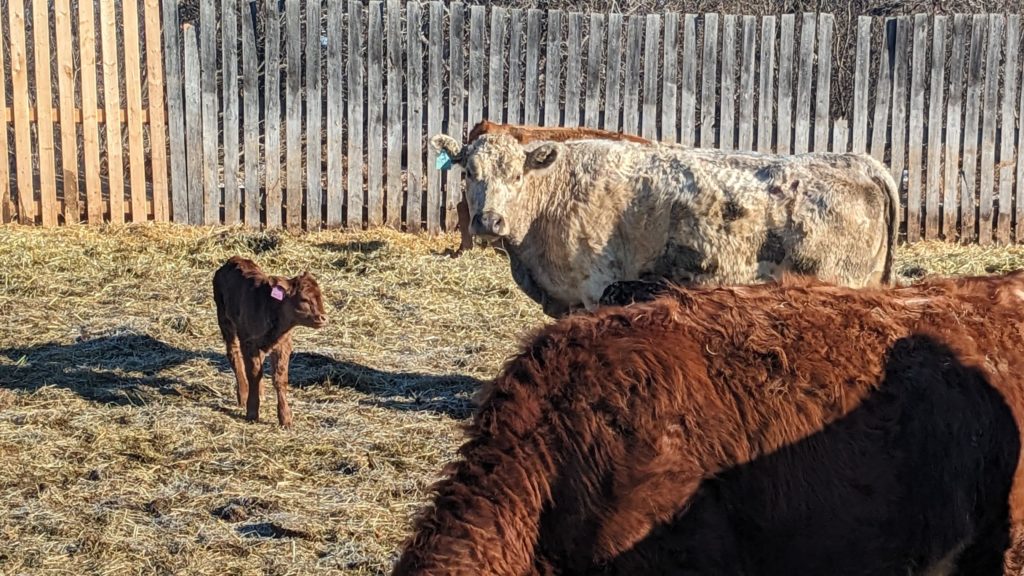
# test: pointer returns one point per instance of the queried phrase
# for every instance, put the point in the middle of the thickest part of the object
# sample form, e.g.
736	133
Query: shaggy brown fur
768	429
256	313
525	134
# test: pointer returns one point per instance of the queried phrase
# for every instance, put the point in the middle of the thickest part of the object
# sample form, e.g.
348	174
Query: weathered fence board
573	70
935	103
395	200
44	125
7	208
988	130
916	136
515	71
414	106
1006	150
553	68
133	97
193	126
434	116
747	127
496	70
784	127
175	110
840	136
975	80
649	120
272	114
612	103
22	128
209	107
314	115
669	82
90	126
688	84
899	103
803	87
709	79
531	94
293	116
250	110
229	67
476	65
862	77
951	179
355	193
374	115
336	112
456	98
631	78
765	101
727	99
595	63
823	91
68	128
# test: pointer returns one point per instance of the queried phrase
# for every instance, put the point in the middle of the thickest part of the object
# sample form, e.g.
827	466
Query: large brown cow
525	134
768	429
256	313
577	216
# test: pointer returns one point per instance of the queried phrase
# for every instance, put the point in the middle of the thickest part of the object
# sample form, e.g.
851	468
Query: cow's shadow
133	368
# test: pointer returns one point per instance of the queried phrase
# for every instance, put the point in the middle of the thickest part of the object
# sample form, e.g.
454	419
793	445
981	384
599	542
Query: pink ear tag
277	293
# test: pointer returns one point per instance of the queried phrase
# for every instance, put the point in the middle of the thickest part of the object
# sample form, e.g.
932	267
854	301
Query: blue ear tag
444	161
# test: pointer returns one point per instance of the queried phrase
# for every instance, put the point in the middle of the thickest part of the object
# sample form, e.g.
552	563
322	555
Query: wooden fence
336	134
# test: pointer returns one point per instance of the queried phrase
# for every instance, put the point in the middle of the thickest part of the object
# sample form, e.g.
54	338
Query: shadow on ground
134	368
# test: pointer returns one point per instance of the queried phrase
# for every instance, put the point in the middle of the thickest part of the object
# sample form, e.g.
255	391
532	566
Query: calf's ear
542	156
448	149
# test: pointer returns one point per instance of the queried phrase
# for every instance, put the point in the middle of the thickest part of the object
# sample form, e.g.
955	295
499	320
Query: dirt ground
122	450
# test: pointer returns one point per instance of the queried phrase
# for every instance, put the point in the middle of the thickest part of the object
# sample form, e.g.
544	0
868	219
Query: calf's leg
234	353
254	373
279	358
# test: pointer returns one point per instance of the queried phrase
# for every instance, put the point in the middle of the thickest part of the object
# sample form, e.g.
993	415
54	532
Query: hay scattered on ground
125	453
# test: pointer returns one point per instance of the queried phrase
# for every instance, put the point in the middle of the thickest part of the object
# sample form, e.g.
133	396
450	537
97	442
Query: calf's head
301	300
497	167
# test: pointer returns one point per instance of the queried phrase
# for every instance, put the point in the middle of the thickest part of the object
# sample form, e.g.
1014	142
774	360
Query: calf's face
302	301
496	168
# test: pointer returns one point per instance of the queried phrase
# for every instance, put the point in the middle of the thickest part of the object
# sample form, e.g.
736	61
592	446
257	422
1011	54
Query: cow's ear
541	157
448	149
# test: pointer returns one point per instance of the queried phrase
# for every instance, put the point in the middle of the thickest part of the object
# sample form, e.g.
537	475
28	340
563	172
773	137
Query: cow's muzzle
489	225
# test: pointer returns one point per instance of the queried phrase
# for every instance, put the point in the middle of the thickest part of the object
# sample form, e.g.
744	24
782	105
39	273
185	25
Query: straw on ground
122	450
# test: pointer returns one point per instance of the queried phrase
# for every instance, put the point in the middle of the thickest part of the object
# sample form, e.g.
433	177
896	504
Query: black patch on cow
687	259
772	248
732	210
805	265
626	292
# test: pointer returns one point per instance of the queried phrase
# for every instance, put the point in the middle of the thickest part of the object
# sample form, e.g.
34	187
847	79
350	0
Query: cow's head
302	302
496	166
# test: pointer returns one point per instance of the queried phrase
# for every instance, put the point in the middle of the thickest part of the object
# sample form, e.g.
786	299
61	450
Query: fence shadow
132	368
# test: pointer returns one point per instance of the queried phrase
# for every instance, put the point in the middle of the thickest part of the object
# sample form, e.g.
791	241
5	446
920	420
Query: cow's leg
254	372
279	358
466	239
234	353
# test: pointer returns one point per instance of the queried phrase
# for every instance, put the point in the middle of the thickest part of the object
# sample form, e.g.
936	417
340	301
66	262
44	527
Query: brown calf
762	430
256	313
526	134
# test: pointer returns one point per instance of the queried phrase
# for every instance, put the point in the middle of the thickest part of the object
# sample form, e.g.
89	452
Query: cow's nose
490	224
321	319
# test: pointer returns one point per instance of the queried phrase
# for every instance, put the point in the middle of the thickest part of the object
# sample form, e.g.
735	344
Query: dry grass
124	454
